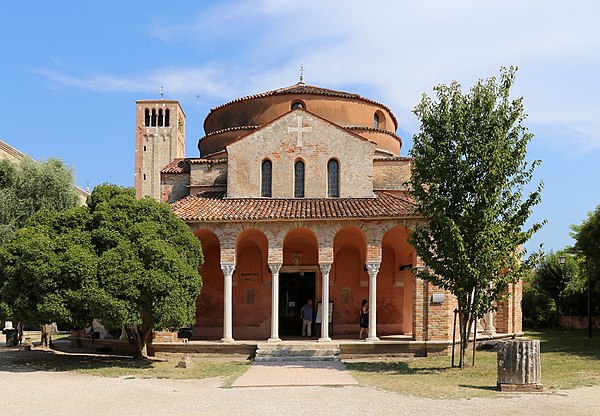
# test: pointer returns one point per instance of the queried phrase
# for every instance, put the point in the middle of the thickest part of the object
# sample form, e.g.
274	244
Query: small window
267	172
167	116
333	180
299	179
144	148
144	176
298	104
147	117
379	120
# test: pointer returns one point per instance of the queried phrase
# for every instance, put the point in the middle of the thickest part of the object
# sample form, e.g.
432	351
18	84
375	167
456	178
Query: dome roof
367	118
300	89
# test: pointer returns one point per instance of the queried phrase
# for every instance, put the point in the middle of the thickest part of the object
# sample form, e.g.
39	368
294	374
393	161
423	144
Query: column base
273	340
489	332
371	339
325	339
227	340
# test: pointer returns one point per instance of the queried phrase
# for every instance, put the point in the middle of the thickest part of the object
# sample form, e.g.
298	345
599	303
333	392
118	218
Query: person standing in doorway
306	314
364	318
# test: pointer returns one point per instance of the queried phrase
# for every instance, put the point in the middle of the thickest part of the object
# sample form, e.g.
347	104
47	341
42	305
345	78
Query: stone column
325	269
228	270
489	329
373	269
274	303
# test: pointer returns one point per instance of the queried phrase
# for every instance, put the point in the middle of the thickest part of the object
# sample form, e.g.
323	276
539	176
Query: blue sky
71	72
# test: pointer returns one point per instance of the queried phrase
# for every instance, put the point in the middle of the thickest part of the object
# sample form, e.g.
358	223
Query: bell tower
159	138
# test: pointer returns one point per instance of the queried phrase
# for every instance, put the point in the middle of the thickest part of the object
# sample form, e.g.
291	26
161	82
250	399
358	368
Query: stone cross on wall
298	129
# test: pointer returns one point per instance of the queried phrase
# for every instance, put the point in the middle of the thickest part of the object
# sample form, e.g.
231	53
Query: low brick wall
577	322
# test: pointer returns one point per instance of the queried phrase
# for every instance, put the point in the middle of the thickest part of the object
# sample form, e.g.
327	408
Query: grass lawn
569	360
113	366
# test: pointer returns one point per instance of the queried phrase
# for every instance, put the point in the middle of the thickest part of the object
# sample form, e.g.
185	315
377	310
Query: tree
552	278
29	187
148	262
469	175
129	263
48	268
587	243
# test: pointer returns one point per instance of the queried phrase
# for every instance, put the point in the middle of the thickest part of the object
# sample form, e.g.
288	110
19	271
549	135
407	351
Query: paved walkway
296	373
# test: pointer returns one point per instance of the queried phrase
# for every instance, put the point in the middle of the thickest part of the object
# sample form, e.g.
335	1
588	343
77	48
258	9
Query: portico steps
297	352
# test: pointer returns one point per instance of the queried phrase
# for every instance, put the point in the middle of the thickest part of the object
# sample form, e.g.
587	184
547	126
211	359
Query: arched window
333	178
161	119
147	117
153	118
167	115
299	179
267	175
379	120
297	104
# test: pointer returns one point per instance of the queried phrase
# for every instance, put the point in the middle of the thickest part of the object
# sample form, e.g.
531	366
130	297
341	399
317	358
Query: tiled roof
182	165
301	88
212	206
393	159
231	129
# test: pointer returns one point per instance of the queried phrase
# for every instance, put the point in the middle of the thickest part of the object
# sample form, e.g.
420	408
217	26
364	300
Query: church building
298	193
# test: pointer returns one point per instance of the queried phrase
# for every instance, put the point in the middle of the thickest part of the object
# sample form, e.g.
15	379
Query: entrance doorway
294	290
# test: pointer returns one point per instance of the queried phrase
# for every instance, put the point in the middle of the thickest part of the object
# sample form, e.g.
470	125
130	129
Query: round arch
348	279
395	283
251	294
209	304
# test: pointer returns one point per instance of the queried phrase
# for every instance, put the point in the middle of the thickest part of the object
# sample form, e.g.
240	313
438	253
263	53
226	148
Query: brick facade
360	239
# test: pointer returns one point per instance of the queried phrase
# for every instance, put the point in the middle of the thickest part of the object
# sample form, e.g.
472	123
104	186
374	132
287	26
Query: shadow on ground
398	367
20	361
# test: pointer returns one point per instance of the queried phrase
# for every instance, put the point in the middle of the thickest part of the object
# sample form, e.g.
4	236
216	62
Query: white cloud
394	50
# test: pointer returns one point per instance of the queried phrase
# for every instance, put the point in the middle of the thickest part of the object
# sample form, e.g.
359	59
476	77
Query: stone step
297	352
271	359
299	346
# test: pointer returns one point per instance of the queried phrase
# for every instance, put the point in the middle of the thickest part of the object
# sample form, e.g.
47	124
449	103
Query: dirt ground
30	391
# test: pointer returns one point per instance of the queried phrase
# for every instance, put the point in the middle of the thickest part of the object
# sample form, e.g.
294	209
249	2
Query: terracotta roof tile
393	159
212	206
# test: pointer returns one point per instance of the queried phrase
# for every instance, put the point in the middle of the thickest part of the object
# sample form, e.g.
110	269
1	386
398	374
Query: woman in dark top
364	318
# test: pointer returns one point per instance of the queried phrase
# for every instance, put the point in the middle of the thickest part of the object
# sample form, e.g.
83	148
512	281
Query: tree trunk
138	335
465	329
46	337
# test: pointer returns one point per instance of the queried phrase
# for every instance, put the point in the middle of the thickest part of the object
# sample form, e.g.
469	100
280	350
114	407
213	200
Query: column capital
325	268
275	267
228	268
373	267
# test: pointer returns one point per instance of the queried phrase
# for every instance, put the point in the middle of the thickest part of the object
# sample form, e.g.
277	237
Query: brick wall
321	141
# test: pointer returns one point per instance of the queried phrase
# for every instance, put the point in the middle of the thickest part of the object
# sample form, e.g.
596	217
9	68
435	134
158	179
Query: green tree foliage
29	187
552	279
148	264
587	244
469	178
47	268
129	263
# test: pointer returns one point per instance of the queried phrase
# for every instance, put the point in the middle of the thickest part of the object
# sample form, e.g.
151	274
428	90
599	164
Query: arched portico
251	295
209	304
395	283
349	280
297	279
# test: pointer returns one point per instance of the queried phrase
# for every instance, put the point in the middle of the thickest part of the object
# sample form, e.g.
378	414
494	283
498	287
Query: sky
71	72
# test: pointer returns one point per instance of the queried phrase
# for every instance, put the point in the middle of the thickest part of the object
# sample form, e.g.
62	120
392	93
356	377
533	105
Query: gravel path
40	392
